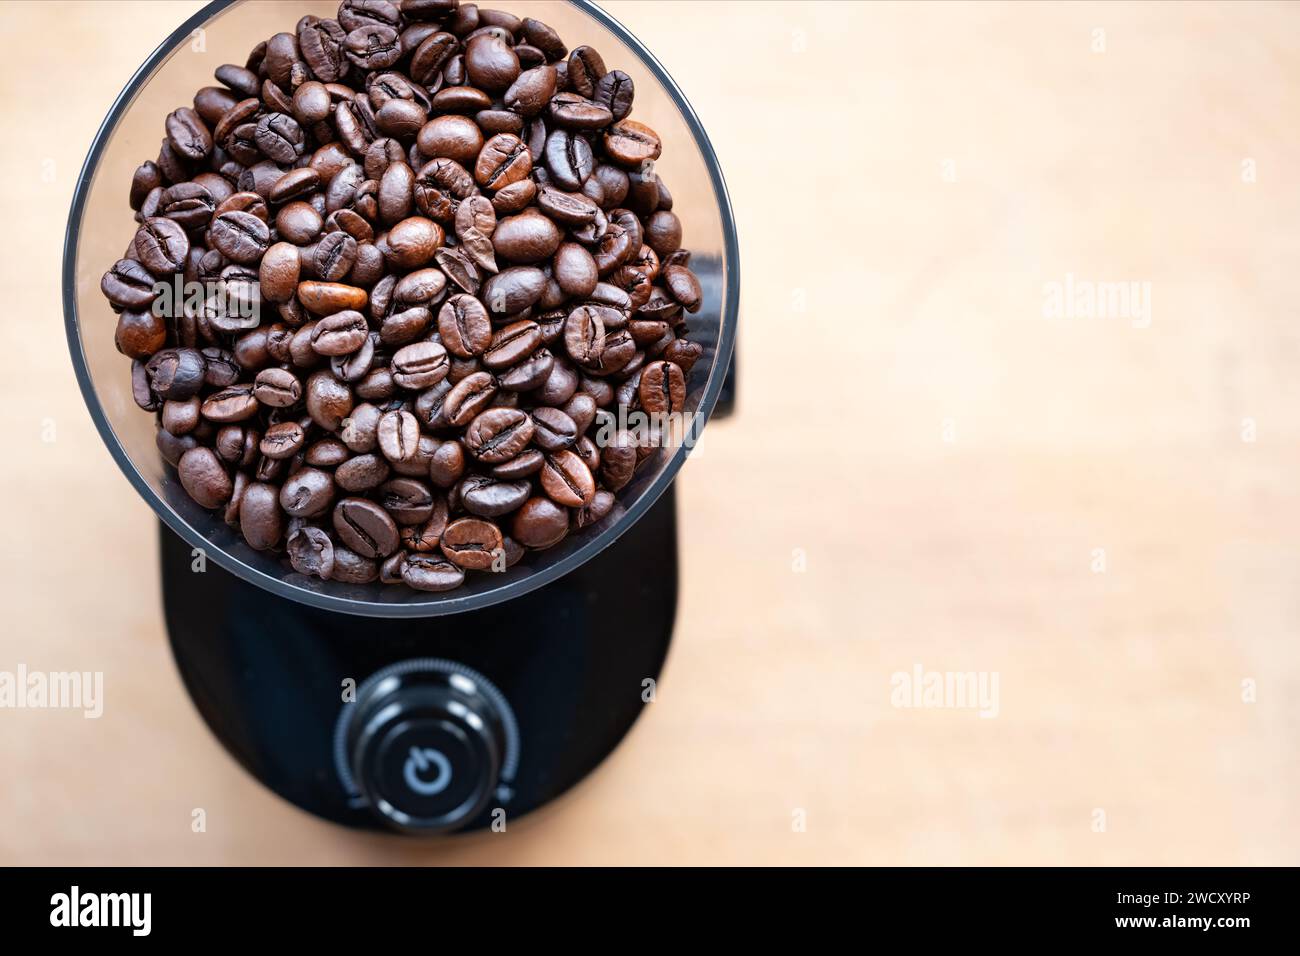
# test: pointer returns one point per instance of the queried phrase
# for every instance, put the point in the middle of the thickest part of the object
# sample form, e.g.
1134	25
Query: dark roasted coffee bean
181	418
570	111
328	400
233	404
447	464
554	429
161	246
128	285
575	270
503	160
240	236
140	334
373	47
472	543
283	440
406	500
568	158
662	389
365	527
527	237
584	334
353	568
530	93
615	91
585	70
326	298
566	480
334	256
362	473
512	344
277	388
188	135
602	503
420	365
490	64
489	498
513	290
260	517
540	523
399	435
176	374
311	552
429	572
631	144
684	287
498	434
204	477
340	334
464	326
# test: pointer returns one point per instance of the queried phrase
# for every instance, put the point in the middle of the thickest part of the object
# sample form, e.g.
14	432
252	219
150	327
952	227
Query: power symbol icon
419	763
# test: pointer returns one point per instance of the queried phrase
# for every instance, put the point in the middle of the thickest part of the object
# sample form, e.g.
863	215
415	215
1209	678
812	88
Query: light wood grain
906	180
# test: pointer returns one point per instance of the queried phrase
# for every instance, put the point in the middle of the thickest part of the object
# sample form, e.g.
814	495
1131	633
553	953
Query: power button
426	750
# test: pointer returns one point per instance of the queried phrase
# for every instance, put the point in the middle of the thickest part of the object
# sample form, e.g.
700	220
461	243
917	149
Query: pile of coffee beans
464	261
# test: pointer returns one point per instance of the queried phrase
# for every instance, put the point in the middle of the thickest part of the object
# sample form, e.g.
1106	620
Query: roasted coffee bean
429	572
334	256
128	285
328	400
277	388
498	434
662	388
279	271
311	552
531	91
326	298
353	568
464	326
362	473
566	480
365	527
529	373
487	497
188	135
161	246
571	111
399	435
176	374
513	290
631	144
406	500
569	158
424	537
420	365
472	543
360	431
490	64
554	429
575	270
584	334
283	440
503	160
204	477
412	242
240	236
615	91
684	287
512	344
447	464
260	517
602	503
540	523
181	418
528	237
373	47
232	404
140	334
340	334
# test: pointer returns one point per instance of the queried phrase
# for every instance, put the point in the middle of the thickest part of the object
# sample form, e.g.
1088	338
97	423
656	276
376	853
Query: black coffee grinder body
428	725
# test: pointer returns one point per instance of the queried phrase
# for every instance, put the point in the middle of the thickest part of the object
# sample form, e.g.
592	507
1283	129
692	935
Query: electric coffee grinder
496	697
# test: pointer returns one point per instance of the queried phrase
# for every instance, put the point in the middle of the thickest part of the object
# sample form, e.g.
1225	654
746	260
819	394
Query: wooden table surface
930	466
